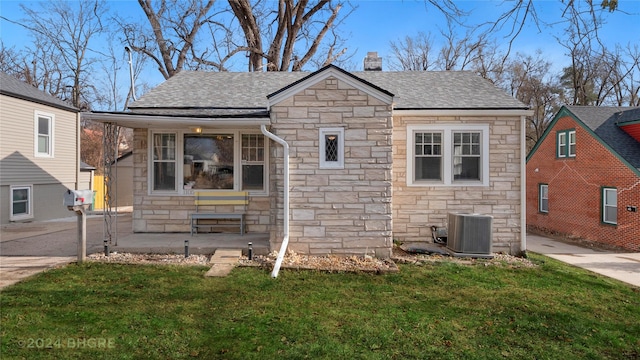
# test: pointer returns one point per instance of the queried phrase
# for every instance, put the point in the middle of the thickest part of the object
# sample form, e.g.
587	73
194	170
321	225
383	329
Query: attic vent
372	62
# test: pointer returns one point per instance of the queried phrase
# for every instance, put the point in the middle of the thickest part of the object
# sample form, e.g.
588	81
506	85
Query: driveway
29	248
617	265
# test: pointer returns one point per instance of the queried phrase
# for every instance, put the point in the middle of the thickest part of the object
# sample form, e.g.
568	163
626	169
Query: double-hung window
164	162
543	198
253	175
566	143
182	162
43	138
609	205
21	207
455	155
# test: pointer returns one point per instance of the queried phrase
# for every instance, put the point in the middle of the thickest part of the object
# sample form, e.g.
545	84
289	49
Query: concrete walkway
223	261
16	268
29	248
620	266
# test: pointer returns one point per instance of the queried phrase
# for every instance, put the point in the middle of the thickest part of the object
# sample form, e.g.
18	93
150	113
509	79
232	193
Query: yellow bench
215	198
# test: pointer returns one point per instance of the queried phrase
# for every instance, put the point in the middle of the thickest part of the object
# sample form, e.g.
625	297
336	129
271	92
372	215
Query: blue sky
377	22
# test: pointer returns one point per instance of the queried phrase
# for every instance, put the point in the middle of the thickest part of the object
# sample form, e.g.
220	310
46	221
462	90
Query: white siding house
39	152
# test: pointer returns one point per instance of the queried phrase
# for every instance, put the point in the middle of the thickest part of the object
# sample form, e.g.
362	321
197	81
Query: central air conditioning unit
470	235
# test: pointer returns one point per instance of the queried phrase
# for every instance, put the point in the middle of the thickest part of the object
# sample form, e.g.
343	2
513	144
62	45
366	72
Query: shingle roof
220	92
11	86
603	121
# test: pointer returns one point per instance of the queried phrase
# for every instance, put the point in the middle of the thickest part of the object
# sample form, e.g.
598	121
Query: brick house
374	156
583	176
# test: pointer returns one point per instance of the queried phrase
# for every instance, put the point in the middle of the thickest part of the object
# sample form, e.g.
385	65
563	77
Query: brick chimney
372	62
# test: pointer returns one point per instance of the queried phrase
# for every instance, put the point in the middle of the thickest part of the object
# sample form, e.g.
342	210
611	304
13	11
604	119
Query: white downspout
285	239
523	185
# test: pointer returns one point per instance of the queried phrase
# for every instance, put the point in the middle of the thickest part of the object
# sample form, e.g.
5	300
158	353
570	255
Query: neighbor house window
609	205
448	155
43	124
226	160
20	201
543	205
164	162
566	143
331	148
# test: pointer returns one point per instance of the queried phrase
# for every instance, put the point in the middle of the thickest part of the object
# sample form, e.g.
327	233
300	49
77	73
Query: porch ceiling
144	121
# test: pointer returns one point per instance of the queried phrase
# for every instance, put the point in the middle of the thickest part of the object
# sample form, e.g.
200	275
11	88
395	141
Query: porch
204	243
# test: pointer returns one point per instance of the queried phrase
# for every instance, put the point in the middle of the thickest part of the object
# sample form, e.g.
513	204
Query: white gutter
285	239
131	120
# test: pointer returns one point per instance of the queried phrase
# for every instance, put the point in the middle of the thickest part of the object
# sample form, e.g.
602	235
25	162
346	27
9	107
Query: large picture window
182	162
208	161
448	155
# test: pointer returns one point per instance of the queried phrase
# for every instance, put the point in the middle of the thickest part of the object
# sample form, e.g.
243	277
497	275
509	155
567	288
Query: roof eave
137	121
39	101
497	111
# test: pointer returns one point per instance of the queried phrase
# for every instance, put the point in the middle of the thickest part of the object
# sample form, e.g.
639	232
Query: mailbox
78	197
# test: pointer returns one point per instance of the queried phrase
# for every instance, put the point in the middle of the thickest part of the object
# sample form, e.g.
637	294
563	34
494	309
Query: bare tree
530	79
276	36
413	53
68	31
174	26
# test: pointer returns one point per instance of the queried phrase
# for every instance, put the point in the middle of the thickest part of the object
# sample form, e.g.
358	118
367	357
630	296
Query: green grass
439	311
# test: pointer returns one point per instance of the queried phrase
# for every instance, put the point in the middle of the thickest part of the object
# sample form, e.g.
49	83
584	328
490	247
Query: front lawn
439	311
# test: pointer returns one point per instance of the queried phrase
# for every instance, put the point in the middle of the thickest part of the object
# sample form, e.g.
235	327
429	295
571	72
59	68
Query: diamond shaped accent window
331	147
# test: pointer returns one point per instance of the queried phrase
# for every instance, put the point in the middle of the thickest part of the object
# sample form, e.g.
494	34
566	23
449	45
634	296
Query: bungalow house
583	176
373	156
39	152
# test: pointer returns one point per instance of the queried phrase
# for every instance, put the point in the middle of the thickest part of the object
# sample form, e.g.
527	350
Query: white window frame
178	144
565	140
179	173
541	197
323	163
571	143
29	214
264	163
605	196
447	154
36	133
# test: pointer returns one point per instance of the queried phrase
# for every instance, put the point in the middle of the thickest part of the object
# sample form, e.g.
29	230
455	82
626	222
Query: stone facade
339	211
157	213
417	208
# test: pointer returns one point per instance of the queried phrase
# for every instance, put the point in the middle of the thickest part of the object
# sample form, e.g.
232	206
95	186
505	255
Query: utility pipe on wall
285	239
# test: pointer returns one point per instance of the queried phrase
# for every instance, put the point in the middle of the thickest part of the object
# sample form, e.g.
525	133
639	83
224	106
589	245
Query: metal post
82	235
250	252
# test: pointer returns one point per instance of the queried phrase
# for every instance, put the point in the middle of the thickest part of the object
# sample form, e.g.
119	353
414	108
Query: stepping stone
223	261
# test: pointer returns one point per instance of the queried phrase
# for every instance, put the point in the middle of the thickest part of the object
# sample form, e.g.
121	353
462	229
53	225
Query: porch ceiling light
197	130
